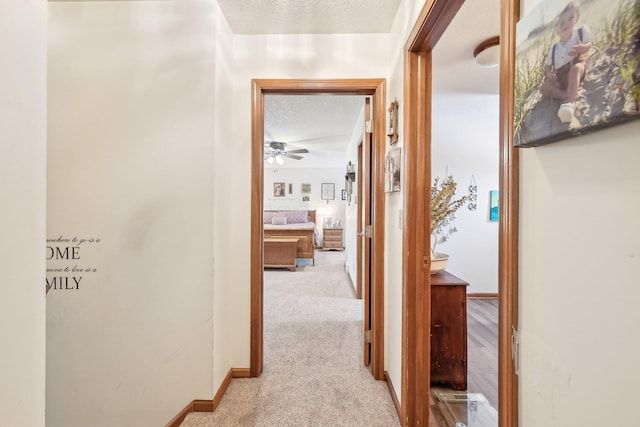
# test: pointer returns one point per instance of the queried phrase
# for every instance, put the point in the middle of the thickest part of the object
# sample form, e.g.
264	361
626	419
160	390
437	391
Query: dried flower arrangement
443	207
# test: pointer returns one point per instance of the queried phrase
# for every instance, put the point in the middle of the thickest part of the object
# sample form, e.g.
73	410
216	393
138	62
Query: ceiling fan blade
298	150
293	156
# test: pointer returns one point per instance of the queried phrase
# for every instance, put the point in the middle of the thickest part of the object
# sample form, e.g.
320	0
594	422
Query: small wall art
577	69
393	122
349	179
392	170
328	191
473	194
305	188
494	205
279	189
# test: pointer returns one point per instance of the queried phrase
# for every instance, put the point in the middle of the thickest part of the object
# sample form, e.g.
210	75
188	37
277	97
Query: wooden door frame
366	175
376	88
431	24
359	227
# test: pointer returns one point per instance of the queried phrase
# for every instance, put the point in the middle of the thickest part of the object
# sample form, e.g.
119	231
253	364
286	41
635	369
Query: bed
300	224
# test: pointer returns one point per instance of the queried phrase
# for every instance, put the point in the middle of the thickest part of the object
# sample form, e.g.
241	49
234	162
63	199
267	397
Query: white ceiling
309	16
454	68
322	123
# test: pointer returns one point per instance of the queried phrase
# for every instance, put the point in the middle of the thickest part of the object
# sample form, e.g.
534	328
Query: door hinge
367	231
367	336
368	126
515	349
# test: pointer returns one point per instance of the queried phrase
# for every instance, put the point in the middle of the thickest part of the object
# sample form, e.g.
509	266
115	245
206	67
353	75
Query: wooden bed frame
306	238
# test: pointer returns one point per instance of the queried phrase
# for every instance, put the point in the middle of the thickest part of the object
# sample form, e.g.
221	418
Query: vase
438	259
438	262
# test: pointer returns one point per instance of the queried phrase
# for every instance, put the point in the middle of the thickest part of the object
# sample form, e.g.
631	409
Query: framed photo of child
577	69
279	189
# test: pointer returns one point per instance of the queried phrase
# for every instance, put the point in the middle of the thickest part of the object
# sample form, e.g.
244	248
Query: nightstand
332	239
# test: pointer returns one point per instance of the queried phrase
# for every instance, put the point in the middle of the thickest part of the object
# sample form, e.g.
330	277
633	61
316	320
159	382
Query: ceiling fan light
270	160
279	159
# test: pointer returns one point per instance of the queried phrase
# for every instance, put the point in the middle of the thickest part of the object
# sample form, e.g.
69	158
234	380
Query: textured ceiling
323	124
309	16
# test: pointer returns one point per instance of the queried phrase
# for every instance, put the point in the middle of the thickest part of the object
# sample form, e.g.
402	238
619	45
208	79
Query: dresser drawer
333	237
332	244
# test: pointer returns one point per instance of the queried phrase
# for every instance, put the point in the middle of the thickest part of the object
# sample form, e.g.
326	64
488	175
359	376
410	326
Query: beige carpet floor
313	370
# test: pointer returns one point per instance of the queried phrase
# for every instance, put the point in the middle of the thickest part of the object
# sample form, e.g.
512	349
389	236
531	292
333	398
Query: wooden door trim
416	335
359	227
376	88
431	24
509	223
365	178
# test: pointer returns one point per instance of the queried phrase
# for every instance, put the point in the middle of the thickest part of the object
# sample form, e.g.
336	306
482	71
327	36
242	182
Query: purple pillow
279	220
267	217
297	217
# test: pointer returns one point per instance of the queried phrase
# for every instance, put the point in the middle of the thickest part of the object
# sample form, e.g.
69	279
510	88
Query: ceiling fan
275	151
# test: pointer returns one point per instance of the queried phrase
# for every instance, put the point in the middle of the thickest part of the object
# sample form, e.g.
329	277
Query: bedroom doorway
374	88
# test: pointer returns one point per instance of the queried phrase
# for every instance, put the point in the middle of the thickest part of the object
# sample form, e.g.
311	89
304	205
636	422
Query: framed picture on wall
494	200
328	191
279	189
392	170
577	69
305	188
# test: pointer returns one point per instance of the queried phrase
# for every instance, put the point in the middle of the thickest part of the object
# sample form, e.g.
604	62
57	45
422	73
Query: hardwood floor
482	377
482	342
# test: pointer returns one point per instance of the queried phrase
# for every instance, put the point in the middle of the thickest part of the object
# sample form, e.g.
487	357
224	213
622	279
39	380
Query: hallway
313	371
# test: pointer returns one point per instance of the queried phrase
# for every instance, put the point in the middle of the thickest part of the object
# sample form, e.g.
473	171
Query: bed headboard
310	213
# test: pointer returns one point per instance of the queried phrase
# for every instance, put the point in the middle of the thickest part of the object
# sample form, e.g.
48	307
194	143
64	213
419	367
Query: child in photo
566	65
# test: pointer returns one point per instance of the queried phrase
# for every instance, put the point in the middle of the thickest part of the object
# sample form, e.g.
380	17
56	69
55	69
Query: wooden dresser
449	330
332	239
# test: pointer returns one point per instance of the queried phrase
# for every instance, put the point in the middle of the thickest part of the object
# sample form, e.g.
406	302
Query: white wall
351	210
23	199
473	250
225	342
131	130
579	269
